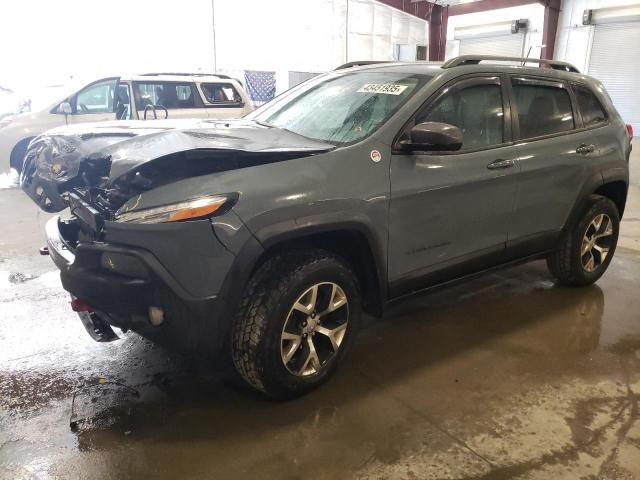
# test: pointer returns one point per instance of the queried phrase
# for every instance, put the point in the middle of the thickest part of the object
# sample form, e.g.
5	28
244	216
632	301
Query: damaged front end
107	164
130	255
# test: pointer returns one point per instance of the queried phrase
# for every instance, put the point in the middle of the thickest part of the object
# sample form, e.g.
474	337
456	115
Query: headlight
175	212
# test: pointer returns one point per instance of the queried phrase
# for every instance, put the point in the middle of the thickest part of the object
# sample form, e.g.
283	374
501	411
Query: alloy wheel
315	328
596	242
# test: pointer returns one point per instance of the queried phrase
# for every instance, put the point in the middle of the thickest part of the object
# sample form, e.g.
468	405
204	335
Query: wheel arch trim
294	231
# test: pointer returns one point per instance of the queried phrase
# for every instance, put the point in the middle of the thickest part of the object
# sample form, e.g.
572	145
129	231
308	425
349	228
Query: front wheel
586	251
296	321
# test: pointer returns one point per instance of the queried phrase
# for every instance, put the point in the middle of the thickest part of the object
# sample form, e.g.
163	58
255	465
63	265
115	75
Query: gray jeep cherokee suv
268	237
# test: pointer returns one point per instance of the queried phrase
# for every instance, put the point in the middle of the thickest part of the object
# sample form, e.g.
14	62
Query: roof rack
361	63
200	74
476	59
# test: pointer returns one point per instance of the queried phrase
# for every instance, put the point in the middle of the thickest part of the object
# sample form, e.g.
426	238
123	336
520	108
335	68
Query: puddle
48	280
17	277
9	179
101	405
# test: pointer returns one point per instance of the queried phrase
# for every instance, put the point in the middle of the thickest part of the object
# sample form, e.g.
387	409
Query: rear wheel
586	251
295	323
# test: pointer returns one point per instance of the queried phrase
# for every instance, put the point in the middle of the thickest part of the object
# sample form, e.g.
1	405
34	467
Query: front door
449	210
94	103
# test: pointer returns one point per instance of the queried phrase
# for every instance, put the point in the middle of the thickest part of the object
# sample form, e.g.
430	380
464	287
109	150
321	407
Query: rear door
450	210
556	156
181	99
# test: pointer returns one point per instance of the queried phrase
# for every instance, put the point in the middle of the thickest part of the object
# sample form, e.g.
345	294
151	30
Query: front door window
96	98
475	109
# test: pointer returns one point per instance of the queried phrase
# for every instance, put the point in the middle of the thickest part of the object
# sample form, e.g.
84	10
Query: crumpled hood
54	159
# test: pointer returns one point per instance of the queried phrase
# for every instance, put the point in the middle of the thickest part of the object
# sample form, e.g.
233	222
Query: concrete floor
507	376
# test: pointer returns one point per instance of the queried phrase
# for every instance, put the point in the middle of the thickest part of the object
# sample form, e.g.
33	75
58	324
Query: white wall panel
619	68
532	38
504	45
573	41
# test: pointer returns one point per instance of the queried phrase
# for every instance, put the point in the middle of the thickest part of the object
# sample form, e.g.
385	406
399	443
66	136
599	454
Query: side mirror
65	107
434	136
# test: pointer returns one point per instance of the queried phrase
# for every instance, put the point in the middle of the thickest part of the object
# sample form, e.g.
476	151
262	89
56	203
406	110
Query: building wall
573	40
47	42
309	35
533	37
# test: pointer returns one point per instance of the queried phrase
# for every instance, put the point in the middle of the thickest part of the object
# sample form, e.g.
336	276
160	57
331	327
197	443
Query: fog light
156	316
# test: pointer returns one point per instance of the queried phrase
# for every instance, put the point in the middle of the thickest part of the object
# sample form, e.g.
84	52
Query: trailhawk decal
376	156
386	88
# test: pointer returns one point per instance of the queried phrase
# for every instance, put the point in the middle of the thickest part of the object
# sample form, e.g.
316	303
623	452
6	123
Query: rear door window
221	94
170	95
590	107
543	108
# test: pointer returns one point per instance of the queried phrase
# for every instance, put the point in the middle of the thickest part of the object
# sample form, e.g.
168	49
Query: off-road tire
565	263
263	310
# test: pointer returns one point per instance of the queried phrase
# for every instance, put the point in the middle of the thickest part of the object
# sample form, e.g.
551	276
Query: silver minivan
137	97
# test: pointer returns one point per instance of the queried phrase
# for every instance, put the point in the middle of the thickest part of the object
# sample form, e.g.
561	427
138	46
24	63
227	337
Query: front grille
90	219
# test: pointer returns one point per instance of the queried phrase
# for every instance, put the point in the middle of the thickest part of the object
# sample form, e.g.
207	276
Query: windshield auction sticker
386	88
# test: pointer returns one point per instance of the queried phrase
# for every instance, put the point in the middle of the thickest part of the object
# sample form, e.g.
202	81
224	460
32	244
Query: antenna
529	52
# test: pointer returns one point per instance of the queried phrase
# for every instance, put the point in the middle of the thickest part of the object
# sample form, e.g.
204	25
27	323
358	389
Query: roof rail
476	59
200	74
361	63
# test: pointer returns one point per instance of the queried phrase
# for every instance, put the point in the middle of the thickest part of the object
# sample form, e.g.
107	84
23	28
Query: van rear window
220	93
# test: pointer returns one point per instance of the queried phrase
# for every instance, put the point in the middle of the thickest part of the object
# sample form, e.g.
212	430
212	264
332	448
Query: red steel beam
418	9
550	29
438	20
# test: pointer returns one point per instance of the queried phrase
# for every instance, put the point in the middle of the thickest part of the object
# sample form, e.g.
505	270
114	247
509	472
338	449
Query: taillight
630	131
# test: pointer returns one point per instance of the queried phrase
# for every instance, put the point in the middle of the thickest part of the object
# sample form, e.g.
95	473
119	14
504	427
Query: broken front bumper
121	283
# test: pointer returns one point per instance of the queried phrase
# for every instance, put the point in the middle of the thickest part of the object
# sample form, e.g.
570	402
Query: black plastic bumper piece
191	323
106	292
97	328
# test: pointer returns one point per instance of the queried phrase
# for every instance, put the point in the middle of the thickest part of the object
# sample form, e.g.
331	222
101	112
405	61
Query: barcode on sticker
386	88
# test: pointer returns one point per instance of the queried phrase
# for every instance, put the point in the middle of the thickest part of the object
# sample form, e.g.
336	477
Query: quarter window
590	108
476	110
542	109
170	95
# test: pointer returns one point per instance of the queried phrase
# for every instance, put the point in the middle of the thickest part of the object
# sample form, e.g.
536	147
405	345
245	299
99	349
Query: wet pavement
507	376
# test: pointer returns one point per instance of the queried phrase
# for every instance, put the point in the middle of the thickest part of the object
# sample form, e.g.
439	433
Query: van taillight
630	131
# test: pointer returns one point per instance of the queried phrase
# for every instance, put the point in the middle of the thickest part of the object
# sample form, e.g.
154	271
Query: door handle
584	149
500	163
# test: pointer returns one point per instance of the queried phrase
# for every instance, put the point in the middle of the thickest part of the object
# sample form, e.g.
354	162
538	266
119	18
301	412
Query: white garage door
505	45
615	61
